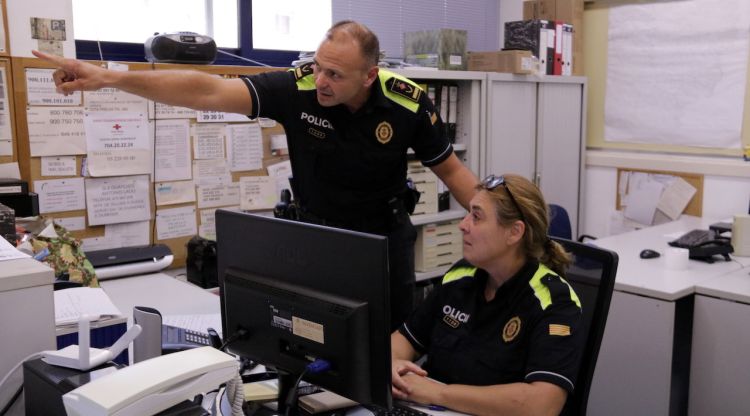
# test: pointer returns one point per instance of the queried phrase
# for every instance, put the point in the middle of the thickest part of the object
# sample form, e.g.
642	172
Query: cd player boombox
180	47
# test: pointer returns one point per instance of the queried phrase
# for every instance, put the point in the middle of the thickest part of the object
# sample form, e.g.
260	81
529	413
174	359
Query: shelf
452	214
432	73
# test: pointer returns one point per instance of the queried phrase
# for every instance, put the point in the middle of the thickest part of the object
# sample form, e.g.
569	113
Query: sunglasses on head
491	182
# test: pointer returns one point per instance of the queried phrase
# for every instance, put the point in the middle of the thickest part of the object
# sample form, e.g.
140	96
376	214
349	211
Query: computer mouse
649	254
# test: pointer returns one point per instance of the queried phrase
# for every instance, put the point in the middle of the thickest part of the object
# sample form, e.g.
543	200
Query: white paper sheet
208	141
114	100
71	223
279	145
164	111
244	147
176	222
58	166
56	131
172	150
207	227
6	135
56	195
9	252
128	234
257	192
218	195
677	72
117	143
675	198
118	199
10	170
219	117
211	171
174	192
641	201
41	90
281	172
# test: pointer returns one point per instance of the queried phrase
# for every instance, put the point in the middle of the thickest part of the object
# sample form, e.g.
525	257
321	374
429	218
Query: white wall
19	26
726	184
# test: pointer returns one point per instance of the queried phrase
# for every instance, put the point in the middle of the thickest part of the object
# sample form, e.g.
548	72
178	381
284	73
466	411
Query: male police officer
348	124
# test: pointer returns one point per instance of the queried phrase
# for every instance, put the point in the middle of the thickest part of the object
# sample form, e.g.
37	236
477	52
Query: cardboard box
537	36
514	62
539	9
442	49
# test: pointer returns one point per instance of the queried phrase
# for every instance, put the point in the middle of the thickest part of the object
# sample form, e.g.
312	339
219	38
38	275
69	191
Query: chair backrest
592	275
559	222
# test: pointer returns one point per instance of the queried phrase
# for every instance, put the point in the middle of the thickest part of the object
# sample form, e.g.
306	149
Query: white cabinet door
511	127
559	149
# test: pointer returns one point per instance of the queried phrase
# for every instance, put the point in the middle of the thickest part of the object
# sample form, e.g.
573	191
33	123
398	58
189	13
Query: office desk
644	361
167	294
720	370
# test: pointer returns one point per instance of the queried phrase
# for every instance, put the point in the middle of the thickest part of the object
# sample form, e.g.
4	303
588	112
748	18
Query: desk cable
13	398
317	366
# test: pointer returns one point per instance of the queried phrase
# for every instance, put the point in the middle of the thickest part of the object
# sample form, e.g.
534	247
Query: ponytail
555	257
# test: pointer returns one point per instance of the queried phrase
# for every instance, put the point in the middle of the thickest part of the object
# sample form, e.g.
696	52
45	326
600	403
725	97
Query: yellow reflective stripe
459	273
385	75
541	291
305	83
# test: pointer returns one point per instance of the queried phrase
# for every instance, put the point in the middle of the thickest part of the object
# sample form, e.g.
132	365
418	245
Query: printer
127	261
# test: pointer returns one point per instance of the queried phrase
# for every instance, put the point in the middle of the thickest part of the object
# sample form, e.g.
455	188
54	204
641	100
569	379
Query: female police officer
349	125
501	333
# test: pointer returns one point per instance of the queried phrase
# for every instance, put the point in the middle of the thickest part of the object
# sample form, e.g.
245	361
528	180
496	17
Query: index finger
53	59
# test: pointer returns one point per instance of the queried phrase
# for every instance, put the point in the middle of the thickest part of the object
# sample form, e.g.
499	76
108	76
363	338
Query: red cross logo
117	127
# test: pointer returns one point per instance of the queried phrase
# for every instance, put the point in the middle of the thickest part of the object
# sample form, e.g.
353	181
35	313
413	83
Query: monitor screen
304	292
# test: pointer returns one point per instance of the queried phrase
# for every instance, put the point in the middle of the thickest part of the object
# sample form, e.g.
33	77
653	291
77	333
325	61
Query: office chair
592	275
559	224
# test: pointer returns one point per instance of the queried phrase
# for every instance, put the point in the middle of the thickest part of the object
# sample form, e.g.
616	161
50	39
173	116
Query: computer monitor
303	291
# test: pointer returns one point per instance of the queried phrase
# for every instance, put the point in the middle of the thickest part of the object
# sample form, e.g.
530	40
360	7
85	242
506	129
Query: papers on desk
71	304
8	252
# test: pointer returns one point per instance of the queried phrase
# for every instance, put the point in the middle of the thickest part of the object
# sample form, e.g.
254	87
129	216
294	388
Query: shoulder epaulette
302	70
549	287
400	90
303	76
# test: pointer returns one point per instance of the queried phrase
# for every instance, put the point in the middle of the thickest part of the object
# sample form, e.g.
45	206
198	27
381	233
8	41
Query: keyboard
400	410
693	238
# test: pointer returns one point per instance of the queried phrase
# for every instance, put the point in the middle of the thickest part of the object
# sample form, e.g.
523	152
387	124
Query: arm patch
404	89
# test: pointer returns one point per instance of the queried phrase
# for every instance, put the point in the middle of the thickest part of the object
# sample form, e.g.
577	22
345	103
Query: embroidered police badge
384	132
404	89
303	70
511	329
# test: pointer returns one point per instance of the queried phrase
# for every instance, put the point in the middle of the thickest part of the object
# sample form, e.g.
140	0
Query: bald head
361	35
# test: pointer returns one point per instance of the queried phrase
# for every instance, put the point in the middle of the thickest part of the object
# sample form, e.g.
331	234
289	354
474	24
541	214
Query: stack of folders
551	41
444	97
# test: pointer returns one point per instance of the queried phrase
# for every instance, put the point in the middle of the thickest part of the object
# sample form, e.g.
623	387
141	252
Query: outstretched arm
458	178
191	89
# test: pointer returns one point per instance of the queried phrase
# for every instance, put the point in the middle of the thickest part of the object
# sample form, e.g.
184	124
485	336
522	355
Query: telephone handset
153	385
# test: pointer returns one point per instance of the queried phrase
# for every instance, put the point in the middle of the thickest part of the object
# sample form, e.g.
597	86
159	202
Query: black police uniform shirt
348	165
528	332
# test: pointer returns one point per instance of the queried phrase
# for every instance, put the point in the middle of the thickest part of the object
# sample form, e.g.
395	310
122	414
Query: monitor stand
287	382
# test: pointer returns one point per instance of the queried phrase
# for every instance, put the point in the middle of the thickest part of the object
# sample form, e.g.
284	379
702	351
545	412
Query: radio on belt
180	47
